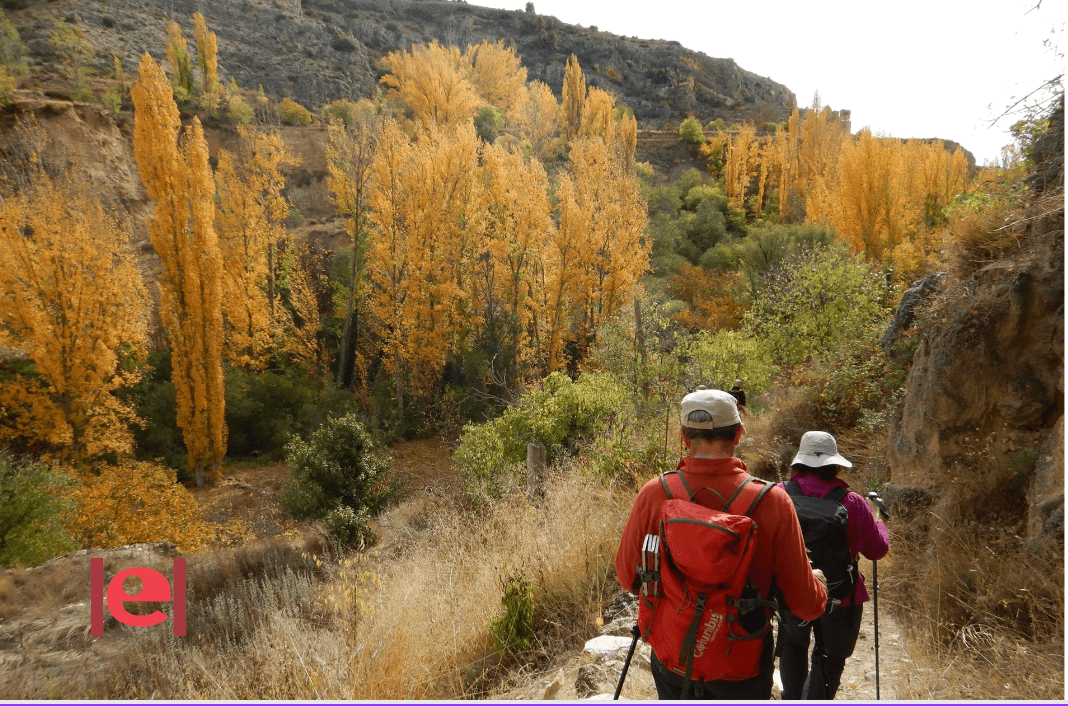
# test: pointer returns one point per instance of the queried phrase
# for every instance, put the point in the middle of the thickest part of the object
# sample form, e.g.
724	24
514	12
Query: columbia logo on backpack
696	608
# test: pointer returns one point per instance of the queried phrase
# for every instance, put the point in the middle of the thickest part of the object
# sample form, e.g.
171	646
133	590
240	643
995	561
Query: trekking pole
626	663
874	495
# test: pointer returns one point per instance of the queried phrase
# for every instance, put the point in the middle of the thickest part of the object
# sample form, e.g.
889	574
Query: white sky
910	68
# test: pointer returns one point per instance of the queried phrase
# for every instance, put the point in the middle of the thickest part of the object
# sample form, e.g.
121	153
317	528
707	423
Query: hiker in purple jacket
815	468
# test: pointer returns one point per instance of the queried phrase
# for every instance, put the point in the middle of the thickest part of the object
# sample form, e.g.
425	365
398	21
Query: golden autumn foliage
883	195
425	208
539	116
515	240
179	61
432	81
302	340
600	249
628	136
249	221
712	296
572	98
498	76
350	155
136	502
207	53
74	301
597	115
175	171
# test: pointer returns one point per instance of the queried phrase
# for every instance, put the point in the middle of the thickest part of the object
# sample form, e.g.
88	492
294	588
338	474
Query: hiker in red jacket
711	429
815	469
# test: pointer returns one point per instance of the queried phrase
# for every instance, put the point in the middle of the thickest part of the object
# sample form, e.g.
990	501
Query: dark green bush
159	438
264	409
338	465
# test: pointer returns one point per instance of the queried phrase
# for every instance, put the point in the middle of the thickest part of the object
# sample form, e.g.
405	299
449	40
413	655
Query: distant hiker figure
837	524
739	394
703	591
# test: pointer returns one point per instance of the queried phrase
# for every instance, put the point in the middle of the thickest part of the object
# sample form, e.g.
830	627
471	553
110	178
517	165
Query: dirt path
858	679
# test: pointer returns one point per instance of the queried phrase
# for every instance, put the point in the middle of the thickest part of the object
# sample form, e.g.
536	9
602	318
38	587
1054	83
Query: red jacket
780	551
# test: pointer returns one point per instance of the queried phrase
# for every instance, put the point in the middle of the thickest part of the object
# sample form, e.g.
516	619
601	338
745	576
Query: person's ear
738	434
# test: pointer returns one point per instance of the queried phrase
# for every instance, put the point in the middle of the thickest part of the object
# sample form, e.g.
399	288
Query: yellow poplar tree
175	171
572	98
179	61
539	116
741	157
74	301
518	230
628	137
249	221
498	76
207	53
601	250
426	212
821	138
350	155
598	115
432	81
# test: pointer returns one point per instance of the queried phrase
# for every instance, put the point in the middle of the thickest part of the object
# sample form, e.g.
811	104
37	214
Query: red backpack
695	607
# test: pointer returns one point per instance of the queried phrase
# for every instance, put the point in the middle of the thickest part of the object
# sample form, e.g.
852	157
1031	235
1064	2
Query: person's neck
711	452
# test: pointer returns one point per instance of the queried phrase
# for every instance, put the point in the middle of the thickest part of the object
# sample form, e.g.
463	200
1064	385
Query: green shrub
338	465
691	131
560	415
488	122
717	125
344	110
816	301
514	631
239	110
292	113
32	510
350	527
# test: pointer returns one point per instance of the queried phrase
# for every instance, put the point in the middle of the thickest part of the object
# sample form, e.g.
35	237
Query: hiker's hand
818	573
874	509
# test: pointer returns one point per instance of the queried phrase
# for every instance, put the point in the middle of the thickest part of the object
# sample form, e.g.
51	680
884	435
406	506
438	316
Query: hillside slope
317	51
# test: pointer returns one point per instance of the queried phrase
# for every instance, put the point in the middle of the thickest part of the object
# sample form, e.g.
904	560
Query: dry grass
407	620
983	607
975	237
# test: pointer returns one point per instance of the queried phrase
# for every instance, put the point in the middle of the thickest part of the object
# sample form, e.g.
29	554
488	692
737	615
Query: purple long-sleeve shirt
866	535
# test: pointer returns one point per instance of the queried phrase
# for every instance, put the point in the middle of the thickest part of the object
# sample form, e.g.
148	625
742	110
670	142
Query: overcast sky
910	68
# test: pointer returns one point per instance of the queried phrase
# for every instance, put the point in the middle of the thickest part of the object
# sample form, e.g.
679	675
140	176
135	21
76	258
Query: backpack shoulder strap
744	486
793	488
837	494
682	479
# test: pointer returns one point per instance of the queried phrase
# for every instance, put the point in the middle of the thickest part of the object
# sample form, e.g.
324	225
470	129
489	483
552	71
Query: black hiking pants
840	628
669	685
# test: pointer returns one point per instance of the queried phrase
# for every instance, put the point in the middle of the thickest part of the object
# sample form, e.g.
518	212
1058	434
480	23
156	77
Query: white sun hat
720	405
818	448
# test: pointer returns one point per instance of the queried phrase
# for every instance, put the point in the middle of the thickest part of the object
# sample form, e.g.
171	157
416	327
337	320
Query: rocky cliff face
316	51
985	394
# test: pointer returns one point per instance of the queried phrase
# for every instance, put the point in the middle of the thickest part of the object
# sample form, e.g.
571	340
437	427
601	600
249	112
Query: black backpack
824	522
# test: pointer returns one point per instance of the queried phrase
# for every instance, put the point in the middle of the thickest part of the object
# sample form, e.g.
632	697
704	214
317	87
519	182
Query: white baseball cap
720	405
818	448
